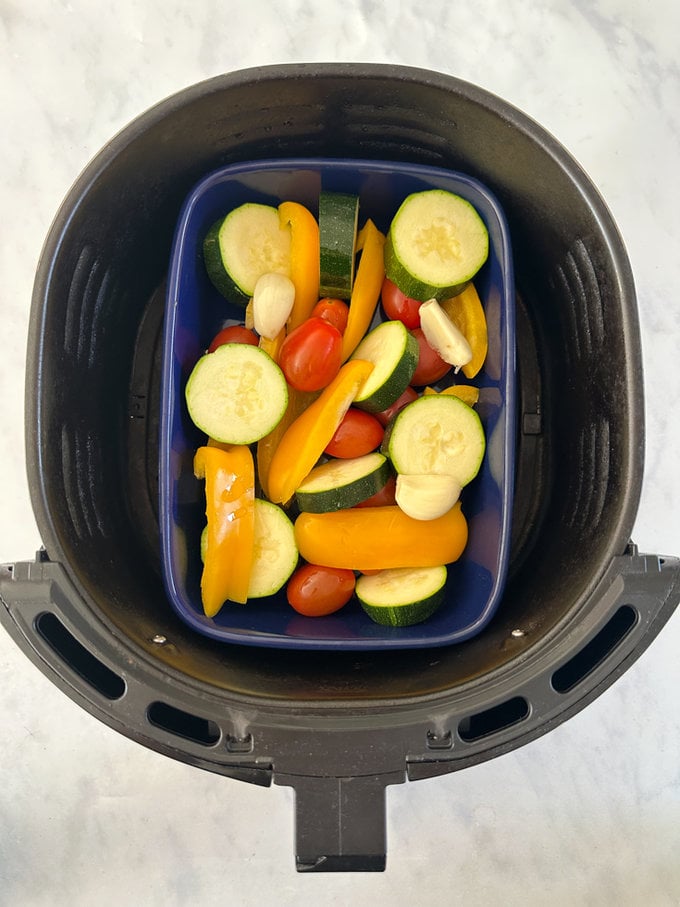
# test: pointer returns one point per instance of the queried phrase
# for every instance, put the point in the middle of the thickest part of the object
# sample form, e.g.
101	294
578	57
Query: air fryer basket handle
339	770
340	822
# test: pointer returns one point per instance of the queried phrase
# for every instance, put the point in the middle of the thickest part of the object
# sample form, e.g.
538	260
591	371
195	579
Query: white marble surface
587	815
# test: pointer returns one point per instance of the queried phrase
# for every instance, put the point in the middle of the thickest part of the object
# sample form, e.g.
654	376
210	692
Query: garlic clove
443	335
426	497
273	299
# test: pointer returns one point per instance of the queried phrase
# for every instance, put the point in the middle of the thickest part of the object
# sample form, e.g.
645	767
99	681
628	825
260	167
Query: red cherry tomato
335	311
431	367
311	355
398	306
407	397
316	591
236	333
359	433
383	498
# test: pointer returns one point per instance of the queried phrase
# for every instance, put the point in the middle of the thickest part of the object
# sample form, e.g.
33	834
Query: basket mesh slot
576	280
82	468
183	724
78	658
590	475
494	719
593	653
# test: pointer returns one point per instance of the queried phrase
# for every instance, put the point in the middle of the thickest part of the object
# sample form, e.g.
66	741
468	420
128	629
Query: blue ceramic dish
194	314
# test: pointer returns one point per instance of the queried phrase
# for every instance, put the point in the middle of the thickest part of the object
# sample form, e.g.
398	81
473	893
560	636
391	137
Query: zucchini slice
393	350
338	219
402	596
339	484
237	394
436	244
437	434
239	248
275	554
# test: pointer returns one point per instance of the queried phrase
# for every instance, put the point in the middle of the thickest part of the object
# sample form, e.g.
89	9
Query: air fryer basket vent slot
593	653
589	481
183	724
577	279
78	658
81	468
495	719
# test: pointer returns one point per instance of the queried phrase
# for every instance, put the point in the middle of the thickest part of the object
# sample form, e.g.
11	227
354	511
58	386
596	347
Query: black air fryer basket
580	605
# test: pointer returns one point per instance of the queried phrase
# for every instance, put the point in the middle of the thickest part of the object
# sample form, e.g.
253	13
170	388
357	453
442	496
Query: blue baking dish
195	312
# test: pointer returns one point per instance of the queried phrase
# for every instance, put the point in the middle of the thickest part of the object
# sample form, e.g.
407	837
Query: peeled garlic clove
273	299
443	335
426	497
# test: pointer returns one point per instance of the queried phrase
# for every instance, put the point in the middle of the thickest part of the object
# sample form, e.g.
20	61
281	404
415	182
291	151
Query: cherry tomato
431	367
335	311
311	355
236	333
316	591
398	306
359	433
383	498
408	396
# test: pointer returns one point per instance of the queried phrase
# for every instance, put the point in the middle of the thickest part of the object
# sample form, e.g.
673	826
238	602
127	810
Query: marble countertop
588	814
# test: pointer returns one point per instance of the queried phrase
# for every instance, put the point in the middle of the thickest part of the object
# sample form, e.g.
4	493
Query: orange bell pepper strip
304	259
229	474
298	401
378	538
306	438
367	285
466	311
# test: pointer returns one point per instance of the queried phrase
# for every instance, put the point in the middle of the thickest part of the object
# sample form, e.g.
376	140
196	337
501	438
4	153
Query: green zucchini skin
402	597
458	444
347	483
428	220
338	218
219	389
214	266
242	246
394	352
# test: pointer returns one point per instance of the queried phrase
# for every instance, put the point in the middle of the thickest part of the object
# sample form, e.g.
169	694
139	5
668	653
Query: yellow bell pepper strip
298	401
367	285
229	474
306	438
466	311
378	538
304	259
465	392
273	347
248	319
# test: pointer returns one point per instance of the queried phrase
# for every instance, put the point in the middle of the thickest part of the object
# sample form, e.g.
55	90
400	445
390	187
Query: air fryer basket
581	603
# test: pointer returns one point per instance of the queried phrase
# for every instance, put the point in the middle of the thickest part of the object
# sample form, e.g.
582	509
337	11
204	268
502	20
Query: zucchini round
402	596
437	434
275	553
436	244
239	248
339	484
236	394
393	350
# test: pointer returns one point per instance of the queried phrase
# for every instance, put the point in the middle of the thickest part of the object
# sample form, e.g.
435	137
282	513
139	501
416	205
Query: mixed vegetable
332	465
